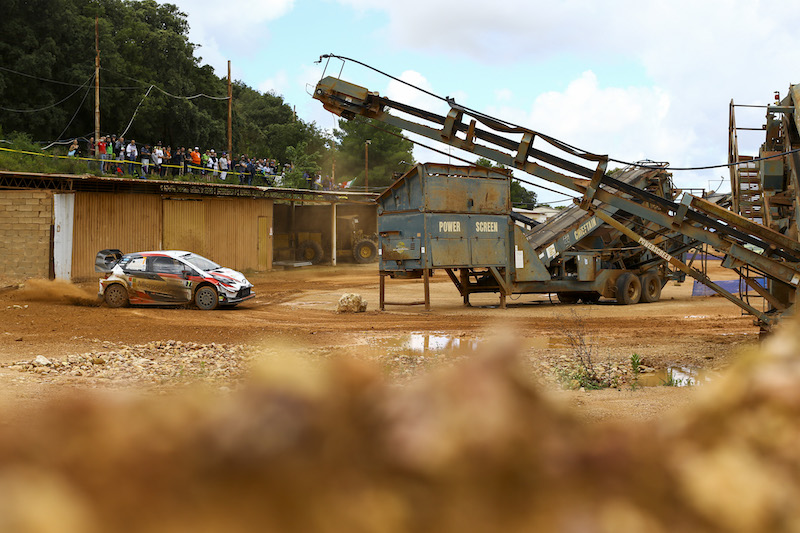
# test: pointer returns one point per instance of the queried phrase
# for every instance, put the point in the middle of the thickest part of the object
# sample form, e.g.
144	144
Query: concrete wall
25	221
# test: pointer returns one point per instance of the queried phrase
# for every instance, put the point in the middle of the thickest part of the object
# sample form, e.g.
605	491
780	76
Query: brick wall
25	219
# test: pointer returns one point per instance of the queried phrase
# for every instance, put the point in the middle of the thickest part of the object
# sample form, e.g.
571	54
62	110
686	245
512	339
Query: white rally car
169	277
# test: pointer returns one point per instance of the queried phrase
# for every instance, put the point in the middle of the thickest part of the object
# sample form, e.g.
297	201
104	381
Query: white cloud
225	29
503	95
277	83
627	123
696	57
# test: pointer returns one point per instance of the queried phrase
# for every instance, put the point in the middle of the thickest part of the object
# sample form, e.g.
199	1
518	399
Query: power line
51	105
41	79
199	95
57	81
510	126
88	90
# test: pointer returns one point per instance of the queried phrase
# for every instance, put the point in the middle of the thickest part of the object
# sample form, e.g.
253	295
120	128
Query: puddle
676	376
428	344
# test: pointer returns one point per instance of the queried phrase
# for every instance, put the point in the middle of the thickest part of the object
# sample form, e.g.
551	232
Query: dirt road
297	309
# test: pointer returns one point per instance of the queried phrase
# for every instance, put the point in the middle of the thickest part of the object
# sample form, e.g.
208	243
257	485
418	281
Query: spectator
73	149
156	157
251	172
119	149
196	162
213	164
110	167
145	154
177	161
102	154
131	153
223	166
166	160
241	168
204	162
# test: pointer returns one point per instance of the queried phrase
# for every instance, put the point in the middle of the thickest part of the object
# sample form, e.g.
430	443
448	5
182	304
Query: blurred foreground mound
477	449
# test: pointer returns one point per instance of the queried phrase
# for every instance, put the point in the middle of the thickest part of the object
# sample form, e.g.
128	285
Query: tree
142	43
520	196
386	150
303	164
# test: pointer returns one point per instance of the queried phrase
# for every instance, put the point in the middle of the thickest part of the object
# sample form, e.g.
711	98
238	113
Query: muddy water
428	344
674	376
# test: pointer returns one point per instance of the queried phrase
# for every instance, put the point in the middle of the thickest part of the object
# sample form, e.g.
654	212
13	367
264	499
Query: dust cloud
58	291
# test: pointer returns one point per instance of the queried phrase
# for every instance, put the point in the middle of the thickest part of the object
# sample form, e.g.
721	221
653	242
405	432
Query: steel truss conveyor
751	249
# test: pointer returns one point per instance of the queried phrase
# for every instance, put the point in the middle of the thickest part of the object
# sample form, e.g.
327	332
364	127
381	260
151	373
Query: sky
632	79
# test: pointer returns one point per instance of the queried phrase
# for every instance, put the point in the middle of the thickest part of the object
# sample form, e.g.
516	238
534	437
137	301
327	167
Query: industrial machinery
656	222
363	244
462	216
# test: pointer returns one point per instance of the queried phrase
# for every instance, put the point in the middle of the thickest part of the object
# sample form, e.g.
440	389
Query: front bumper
242	295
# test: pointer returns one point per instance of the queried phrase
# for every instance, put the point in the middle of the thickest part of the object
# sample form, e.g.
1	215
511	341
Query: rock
351	303
41	360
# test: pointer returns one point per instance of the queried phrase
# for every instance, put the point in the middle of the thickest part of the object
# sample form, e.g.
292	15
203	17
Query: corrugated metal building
230	224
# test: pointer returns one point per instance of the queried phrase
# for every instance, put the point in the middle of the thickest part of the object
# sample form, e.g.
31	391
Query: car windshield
200	262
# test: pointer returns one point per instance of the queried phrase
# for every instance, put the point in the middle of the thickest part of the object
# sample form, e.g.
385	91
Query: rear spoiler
106	260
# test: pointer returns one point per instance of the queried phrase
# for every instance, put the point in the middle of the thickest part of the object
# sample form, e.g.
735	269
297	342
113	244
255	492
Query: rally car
168	277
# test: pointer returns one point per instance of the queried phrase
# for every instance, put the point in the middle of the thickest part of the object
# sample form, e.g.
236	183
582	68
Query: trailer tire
629	288
568	297
310	251
365	251
651	287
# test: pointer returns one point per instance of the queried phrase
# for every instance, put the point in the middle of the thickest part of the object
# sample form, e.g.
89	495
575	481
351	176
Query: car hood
229	277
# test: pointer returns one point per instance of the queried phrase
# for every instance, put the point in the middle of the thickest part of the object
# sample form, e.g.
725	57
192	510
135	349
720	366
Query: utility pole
96	80
230	113
366	165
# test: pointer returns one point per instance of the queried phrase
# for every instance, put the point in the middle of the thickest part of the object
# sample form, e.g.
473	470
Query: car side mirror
185	274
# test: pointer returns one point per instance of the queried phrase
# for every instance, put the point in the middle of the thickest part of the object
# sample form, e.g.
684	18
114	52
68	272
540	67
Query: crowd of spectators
113	155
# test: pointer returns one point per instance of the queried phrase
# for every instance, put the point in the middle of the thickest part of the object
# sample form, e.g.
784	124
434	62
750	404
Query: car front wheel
206	298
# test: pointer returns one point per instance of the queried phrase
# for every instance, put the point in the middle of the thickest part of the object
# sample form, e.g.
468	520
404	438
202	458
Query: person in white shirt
131	152
223	165
157	157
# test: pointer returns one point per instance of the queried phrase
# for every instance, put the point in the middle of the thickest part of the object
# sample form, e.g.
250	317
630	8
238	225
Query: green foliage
37	161
520	196
139	40
671	380
386	151
303	163
636	363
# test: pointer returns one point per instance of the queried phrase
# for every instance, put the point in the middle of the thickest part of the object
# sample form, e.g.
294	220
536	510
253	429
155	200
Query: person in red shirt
102	153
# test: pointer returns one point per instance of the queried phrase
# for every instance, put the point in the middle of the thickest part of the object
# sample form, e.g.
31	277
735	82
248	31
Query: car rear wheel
116	296
206	298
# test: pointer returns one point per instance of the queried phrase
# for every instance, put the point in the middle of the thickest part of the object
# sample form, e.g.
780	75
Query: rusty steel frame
724	231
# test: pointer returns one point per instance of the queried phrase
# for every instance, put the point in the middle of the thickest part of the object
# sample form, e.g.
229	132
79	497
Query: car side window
136	264
164	265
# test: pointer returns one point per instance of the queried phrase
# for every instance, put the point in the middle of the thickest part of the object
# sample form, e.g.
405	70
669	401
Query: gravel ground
161	363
